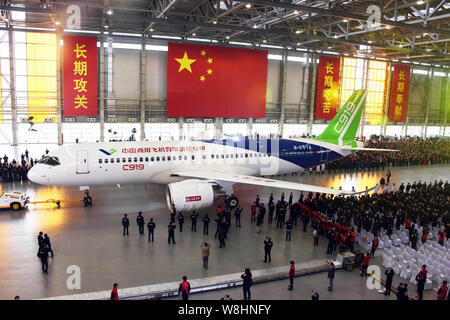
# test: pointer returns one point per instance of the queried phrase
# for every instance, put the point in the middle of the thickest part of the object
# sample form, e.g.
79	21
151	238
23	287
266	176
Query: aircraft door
82	162
324	154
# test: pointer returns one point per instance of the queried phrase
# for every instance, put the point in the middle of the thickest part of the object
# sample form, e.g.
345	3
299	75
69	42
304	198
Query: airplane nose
34	176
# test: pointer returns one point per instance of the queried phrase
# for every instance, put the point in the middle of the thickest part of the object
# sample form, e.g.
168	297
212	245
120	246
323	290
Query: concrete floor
91	238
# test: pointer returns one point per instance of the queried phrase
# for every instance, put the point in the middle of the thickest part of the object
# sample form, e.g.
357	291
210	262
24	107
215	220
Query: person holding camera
268	244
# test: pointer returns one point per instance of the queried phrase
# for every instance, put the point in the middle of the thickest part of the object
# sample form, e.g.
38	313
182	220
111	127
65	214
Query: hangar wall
427	110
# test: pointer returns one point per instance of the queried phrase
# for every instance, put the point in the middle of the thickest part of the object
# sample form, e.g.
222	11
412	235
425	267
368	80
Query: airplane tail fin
343	127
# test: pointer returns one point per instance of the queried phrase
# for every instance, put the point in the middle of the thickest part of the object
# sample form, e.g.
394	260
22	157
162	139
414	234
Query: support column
249	127
313	82
180	128
102	89
445	103
429	95
12	85
365	76
218	128
59	115
282	96
143	88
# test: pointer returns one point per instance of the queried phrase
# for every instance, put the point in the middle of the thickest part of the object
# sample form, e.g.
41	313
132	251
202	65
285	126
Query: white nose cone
34	176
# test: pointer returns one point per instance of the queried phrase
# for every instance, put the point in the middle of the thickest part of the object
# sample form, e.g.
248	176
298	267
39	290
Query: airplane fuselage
88	164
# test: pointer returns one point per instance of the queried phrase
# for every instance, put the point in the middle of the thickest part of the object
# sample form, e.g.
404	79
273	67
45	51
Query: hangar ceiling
410	31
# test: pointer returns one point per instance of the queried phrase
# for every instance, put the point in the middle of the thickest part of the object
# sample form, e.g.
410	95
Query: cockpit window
50	161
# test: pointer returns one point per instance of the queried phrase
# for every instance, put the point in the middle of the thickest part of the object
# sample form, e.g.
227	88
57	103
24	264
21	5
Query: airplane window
212	156
204	157
129	159
135	159
231	155
180	157
226	156
163	158
157	158
106	160
268	154
118	160
168	158
100	161
193	157
146	159
152	159
260	155
112	160
246	155
141	159
185	157
217	156
222	156
124	159
242	155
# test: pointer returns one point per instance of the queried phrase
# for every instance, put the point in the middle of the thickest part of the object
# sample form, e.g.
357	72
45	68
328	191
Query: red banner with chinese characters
209	81
80	76
399	93
327	87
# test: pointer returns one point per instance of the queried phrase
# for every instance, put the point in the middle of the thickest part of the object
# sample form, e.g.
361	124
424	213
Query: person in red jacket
421	279
114	294
375	243
352	240
365	265
184	288
291	275
425	235
442	237
442	291
253	209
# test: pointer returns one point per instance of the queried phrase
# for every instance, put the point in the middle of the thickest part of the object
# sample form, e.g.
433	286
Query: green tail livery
342	129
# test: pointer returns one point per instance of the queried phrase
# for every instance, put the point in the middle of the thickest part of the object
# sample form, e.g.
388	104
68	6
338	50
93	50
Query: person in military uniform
181	221
206	221
194	217
171	228
125	224
151	229
140	222
268	244
237	215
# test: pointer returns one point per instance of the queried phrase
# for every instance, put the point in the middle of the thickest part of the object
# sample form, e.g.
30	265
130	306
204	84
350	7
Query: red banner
207	81
327	87
399	93
80	76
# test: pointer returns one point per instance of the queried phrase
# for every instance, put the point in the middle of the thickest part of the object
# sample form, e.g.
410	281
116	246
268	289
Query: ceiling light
255	26
106	27
420	2
297	31
57	23
194	34
298	43
370	41
345	20
296	12
330	47
110	11
388	27
151	30
215	21
248	5
429	50
264	40
228	37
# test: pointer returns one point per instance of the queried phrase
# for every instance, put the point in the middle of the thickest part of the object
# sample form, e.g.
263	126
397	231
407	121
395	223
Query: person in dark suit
206	221
248	281
181	221
389	277
151	229
331	271
171	228
140	222
125	224
268	244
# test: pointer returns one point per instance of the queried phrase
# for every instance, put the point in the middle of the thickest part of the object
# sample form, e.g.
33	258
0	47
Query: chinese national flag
208	81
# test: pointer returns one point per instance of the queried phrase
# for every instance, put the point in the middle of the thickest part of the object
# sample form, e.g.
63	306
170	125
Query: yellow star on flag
185	63
210	60
202	78
209	71
203	52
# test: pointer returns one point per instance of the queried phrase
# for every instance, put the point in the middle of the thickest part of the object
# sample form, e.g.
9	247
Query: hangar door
82	162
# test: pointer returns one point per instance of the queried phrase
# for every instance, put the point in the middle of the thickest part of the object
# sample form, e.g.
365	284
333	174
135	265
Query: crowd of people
14	170
414	151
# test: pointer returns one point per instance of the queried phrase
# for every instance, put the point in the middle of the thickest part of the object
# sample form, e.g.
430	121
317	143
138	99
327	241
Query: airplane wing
265	182
366	149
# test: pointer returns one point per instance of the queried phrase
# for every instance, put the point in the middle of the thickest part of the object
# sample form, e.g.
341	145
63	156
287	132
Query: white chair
381	245
388	244
397	242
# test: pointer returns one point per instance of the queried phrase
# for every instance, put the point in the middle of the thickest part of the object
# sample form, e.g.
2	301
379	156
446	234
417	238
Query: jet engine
192	194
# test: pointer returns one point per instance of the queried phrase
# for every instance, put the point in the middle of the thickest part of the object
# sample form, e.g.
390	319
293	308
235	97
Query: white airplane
198	172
